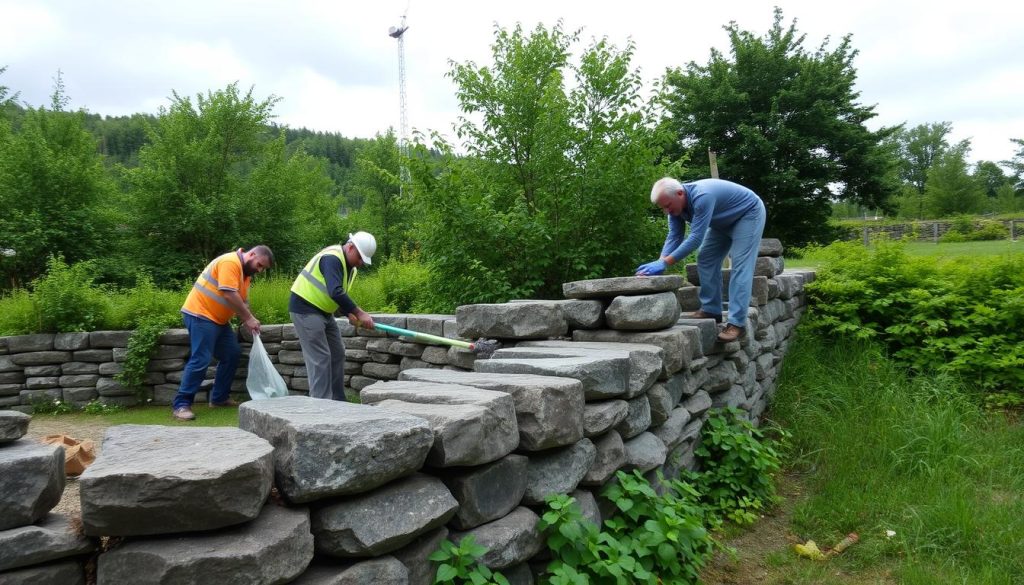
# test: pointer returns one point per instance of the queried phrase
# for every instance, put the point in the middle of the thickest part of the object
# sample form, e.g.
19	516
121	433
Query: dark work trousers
323	352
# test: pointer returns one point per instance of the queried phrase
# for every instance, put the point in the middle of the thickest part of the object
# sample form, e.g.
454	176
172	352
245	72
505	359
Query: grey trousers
323	352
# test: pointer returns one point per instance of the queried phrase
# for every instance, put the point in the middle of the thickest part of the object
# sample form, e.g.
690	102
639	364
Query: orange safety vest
206	299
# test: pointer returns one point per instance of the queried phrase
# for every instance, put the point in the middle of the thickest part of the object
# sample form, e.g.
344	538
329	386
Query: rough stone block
109	339
63	573
610	457
600	417
31	481
770	247
71	341
677	342
510	321
578	313
645	361
644	452
275	548
41	358
353	528
509	541
548	408
326	448
638	418
13	425
385	570
643	312
27	343
487	492
219	477
607	288
557	471
415	557
602	375
54	537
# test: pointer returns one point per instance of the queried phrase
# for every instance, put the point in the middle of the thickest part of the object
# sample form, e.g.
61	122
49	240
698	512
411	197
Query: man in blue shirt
725	219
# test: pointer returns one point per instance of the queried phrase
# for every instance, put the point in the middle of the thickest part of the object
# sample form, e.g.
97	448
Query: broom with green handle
483	348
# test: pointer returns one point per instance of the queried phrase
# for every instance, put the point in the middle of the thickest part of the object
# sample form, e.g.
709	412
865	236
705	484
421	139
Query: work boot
226	403
184	413
700	314
730	333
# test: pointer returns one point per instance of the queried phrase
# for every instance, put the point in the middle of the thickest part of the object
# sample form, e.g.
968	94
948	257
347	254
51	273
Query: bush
66	298
965	229
144	301
654	538
404	281
960	318
738	466
18	314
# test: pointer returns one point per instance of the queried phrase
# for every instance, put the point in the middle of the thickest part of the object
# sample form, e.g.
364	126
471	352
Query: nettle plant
654	539
460	563
738	465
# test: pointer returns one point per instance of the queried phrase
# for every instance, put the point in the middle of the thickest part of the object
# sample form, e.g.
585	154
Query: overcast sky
336	69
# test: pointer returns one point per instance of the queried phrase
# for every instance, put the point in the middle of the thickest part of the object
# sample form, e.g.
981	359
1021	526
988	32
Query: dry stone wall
441	443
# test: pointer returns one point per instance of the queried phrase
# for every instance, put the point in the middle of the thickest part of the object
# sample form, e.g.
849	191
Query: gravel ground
81	430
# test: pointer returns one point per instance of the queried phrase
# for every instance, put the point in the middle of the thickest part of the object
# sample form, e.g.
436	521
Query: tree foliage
211	180
559	159
53	192
384	205
1016	164
950	188
786	123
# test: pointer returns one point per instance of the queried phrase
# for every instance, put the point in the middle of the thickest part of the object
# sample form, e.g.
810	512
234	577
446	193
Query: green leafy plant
66	298
459	563
96	407
738	465
141	345
654	538
55	406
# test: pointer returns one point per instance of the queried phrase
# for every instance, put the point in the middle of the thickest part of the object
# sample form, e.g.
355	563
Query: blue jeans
741	241
208	340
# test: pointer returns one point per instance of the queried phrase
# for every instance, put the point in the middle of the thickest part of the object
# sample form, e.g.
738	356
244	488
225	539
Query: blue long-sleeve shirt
711	203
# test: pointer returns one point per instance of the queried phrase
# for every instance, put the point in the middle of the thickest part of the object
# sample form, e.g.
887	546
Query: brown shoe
226	403
184	413
700	314
730	333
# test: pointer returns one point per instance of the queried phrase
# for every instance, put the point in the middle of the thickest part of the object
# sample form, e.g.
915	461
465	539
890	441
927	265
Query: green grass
152	415
880	451
812	258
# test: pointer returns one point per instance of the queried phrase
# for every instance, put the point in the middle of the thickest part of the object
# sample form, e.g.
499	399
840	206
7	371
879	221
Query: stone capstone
152	479
275	548
383	520
646	361
603	375
326	448
607	288
510	321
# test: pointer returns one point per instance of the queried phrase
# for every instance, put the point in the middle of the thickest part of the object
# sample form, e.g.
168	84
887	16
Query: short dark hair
264	251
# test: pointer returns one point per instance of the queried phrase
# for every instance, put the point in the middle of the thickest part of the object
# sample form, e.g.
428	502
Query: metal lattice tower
403	119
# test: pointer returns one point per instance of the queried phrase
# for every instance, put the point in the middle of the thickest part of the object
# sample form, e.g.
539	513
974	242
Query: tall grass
917	456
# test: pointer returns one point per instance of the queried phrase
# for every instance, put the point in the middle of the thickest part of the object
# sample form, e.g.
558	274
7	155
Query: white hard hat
365	243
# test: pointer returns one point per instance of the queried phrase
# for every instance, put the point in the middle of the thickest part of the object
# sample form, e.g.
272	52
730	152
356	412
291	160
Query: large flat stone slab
606	288
679	343
273	549
50	539
383	520
153	479
548	408
325	448
646	361
602	375
464	434
13	425
31	481
579	314
510	321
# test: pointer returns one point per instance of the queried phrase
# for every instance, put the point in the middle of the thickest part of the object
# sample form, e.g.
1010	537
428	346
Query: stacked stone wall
441	443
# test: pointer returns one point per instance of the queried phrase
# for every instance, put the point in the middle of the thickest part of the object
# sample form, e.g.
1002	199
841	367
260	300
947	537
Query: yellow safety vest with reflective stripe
206	299
311	285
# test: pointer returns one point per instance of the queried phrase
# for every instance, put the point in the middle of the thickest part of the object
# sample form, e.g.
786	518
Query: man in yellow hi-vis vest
220	292
320	291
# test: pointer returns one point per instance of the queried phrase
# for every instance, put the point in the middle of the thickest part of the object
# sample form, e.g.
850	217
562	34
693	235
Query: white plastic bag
263	380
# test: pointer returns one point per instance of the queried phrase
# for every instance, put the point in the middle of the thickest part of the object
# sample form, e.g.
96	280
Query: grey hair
665	185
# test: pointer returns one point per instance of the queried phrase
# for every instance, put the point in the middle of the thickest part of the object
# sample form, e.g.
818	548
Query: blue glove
651	268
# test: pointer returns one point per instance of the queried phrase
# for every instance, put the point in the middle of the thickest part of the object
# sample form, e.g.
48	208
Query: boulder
31	481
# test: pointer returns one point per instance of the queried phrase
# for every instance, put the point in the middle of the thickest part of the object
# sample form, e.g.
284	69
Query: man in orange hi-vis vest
220	292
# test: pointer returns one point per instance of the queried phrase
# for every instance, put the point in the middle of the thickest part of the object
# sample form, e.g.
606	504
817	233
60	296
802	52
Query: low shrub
738	466
653	539
67	299
18	314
